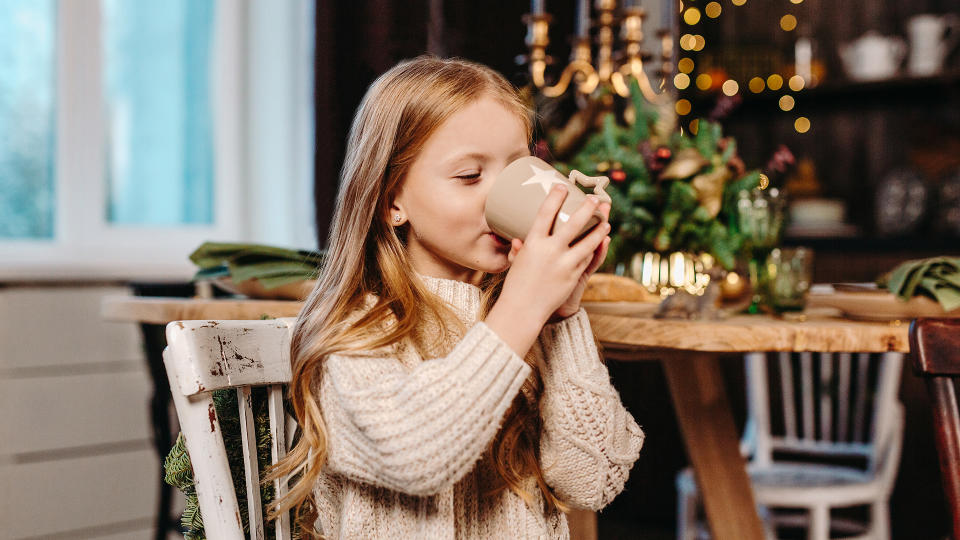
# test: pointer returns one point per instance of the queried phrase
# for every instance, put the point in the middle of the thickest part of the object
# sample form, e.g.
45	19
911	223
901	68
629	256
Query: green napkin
936	277
271	266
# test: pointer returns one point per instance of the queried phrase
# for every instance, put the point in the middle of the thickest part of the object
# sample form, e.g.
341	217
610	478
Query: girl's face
443	195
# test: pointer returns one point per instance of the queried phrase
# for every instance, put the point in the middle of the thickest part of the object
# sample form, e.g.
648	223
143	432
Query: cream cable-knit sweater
409	432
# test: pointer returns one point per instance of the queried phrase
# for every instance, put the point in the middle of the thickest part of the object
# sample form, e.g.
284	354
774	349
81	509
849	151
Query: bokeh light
795	1
694	125
687	41
774	82
683	107
704	81
691	16
713	10
756	85
786	103
681	81
788	22
698	42
796	83
685	65
802	124
738	2
730	87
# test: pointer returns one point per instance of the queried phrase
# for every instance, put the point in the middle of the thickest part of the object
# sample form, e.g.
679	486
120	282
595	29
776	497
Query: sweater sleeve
418	431
588	441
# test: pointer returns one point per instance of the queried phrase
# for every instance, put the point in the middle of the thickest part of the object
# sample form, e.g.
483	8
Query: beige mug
521	188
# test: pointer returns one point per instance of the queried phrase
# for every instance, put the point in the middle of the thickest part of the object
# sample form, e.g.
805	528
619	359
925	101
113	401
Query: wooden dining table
689	350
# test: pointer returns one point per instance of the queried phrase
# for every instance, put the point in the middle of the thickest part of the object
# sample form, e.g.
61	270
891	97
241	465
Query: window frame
86	246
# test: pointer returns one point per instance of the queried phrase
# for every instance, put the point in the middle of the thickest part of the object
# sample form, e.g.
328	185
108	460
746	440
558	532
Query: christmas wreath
179	470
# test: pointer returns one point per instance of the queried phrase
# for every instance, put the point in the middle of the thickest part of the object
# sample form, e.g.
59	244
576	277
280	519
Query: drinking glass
789	272
760	220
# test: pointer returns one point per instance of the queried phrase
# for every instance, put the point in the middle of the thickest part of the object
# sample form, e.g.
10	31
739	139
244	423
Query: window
131	131
27	126
159	136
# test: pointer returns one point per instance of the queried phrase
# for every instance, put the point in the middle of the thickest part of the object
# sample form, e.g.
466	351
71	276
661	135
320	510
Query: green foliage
937	278
179	474
179	470
690	211
271	266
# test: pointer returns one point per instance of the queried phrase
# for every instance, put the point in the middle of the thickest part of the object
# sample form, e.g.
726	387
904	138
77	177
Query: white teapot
872	56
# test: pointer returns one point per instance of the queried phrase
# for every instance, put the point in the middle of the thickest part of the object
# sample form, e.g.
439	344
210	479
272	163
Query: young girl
447	383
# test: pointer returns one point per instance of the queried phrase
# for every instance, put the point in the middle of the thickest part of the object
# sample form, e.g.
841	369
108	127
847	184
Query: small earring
396	218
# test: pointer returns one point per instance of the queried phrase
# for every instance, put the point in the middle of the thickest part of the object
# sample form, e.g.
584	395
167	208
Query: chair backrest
935	350
824	405
203	356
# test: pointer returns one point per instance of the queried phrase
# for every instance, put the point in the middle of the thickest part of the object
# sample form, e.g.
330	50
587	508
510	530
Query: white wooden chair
203	356
837	407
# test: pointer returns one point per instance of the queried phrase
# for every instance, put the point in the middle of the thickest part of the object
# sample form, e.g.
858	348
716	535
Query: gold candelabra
613	69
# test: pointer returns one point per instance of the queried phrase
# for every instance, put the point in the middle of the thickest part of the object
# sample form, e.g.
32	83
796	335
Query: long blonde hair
366	256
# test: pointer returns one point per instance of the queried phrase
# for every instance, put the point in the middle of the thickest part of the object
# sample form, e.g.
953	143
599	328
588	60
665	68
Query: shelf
858	94
863	244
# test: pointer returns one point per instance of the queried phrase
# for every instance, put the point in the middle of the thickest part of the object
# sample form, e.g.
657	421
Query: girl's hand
549	270
572	303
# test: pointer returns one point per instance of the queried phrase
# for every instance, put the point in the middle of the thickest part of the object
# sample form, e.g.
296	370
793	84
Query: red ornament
618	176
662	153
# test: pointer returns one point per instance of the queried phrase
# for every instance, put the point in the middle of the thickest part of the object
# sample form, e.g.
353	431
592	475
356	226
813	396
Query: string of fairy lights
691	15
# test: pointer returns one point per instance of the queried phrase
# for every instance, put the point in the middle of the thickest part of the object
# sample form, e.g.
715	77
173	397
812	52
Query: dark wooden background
855	142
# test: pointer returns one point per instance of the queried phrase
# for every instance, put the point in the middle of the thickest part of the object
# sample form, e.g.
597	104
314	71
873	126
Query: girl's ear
397	215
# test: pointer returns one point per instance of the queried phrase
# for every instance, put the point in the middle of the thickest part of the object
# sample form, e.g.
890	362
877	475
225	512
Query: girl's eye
469	178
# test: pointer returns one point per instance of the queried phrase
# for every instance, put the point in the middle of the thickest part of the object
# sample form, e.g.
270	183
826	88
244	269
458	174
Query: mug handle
953	32
899	50
598	183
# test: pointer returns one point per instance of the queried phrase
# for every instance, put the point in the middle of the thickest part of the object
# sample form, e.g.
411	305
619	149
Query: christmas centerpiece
672	192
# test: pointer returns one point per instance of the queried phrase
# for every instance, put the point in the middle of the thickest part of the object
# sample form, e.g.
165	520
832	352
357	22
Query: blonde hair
366	256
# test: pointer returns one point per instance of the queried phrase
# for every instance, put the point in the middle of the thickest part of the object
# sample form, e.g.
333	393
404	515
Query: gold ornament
685	163
709	188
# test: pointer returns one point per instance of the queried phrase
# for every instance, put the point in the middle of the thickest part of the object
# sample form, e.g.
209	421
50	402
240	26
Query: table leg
583	525
154	341
703	411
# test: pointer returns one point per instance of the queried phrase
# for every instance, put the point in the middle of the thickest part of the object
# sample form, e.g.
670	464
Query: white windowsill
95	271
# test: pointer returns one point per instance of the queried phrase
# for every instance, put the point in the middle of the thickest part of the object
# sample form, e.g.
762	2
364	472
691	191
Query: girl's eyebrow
480	156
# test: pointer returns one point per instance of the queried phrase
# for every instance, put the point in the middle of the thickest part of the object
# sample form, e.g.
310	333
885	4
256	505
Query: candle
583	18
536	7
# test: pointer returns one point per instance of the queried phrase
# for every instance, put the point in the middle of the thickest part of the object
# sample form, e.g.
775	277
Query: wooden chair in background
825	408
203	356
935	350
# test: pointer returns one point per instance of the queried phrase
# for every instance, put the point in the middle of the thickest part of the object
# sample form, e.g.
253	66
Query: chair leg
766	517
686	515
819	523
880	520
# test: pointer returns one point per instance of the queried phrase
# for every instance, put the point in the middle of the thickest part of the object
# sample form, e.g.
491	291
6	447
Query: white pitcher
872	56
932	38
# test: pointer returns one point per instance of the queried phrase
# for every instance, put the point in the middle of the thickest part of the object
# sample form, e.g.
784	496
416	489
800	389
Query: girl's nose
487	184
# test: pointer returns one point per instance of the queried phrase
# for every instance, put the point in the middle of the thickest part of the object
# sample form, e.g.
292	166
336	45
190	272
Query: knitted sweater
409	432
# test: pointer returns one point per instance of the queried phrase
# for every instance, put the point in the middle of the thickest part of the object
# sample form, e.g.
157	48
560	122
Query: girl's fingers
590	242
548	211
515	245
599	255
605	210
595	258
568	231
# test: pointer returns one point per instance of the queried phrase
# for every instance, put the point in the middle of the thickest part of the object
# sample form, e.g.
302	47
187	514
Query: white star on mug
545	177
